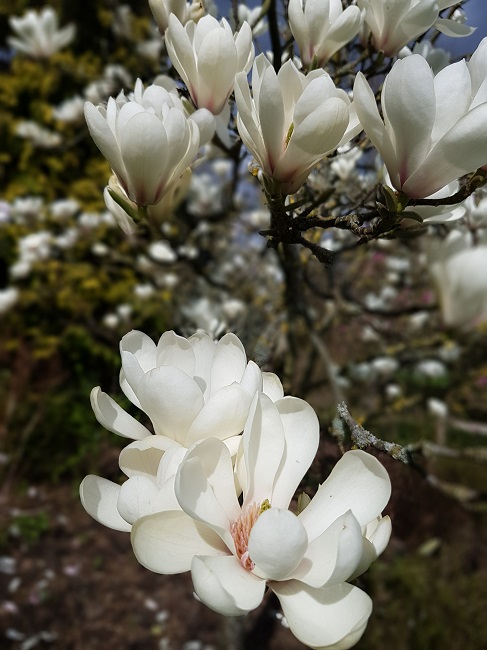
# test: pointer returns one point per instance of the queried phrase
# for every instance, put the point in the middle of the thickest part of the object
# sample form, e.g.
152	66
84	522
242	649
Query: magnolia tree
358	129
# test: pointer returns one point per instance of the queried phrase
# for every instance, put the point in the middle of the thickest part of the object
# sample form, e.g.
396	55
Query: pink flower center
241	528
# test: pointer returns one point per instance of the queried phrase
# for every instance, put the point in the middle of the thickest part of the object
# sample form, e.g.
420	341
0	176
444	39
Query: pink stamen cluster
240	531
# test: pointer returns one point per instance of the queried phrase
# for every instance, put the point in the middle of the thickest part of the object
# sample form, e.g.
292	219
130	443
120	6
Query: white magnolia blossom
459	272
321	28
292	121
151	49
345	163
38	135
234	551
29	207
161	251
396	22
208	55
148	140
115	77
191	389
183	10
435	127
437	407
69	110
62	209
8	298
37	33
250	15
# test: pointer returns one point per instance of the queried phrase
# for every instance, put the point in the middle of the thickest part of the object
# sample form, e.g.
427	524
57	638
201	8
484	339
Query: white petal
166	542
302	433
333	617
328	123
358	483
229	362
271	117
171	399
217	52
197	498
272	386
215	459
112	416
104	138
381	535
181	52
263	445
142	347
99	498
144	150
463	149
453	95
142	457
368	114
135	496
374	544
130	375
334	556
277	543
225	586
223	416
206	124
252	379
453	28
409	107
174	350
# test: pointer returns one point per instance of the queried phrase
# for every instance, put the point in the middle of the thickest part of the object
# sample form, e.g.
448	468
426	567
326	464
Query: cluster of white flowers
290	122
209	489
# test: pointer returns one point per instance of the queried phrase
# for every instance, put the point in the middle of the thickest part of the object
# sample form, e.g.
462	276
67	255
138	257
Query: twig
362	438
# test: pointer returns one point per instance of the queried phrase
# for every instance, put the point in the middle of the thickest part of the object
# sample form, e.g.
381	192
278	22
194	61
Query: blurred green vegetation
54	345
424	602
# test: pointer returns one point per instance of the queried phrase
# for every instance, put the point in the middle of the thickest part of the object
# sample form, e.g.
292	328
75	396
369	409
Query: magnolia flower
8	298
292	121
251	16
38	34
148	140
184	11
234	551
435	128
190	389
208	55
459	272
396	22
161	251
321	28
62	209
69	110
38	135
